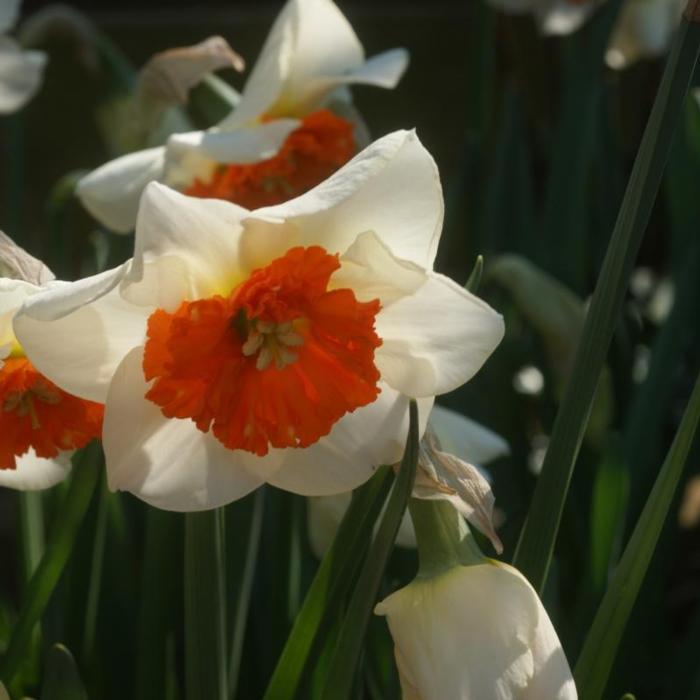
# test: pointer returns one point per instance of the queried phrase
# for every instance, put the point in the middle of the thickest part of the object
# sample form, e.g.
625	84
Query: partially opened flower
288	133
471	628
276	345
644	29
464	442
40	424
20	71
552	16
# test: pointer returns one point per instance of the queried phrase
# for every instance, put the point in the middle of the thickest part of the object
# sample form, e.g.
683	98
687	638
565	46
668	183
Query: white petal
168	463
359	442
391	188
564	16
466	438
266	80
20	74
13	294
35	473
112	192
476	632
9	13
436	339
383	70
202	233
243	145
77	333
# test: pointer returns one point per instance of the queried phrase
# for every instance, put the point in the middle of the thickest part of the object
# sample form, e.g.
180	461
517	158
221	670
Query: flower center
274	364
308	156
35	413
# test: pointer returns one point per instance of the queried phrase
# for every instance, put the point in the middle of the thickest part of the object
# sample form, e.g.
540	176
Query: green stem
205	606
444	539
52	564
534	552
32	521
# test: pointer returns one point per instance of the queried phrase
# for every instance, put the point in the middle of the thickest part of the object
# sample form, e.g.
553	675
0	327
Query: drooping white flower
40	425
307	63
476	632
276	345
20	71
644	29
464	439
552	16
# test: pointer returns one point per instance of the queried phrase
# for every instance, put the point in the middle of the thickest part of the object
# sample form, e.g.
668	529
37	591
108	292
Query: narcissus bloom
476	632
644	29
40	424
552	16
276	345
291	129
20	71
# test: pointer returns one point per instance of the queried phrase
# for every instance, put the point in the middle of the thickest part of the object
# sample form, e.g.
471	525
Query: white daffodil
644	29
476	632
20	71
457	435
40	425
281	139
276	345
552	16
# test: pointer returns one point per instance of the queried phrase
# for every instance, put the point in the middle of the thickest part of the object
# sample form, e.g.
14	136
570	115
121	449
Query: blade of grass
346	656
205	606
534	551
58	549
245	591
330	585
598	654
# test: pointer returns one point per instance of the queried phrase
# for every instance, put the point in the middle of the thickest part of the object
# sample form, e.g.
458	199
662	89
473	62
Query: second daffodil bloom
275	345
468	627
40	424
289	132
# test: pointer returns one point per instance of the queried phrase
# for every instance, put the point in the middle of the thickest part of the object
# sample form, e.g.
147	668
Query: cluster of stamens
272	342
21	403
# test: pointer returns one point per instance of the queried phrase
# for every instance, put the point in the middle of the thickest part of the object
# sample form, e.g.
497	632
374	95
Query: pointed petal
20	74
202	233
77	333
36	473
435	339
16	263
391	188
166	462
359	442
111	193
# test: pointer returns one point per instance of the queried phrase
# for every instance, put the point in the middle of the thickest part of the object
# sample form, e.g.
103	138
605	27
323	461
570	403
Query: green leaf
205	606
62	679
601	644
59	547
534	552
331	583
346	656
245	590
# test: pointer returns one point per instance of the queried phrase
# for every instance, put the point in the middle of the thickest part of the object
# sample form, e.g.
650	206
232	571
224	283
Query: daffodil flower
20	71
552	16
40	424
476	632
465	442
644	29
281	139
277	345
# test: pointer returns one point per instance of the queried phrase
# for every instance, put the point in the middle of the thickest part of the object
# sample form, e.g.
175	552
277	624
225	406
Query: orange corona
274	364
35	413
308	156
